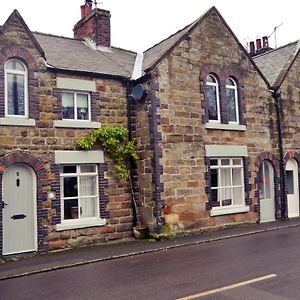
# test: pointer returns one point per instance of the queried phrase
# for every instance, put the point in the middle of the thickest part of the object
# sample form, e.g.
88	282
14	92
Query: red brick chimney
94	24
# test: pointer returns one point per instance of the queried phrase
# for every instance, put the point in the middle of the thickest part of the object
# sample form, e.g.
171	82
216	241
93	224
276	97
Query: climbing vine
114	140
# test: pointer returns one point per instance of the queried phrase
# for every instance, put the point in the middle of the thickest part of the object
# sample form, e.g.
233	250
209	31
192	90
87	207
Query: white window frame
216	86
233	208
17	72
80	222
75	105
234	87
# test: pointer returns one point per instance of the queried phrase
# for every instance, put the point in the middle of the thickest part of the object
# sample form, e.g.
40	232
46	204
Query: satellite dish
137	92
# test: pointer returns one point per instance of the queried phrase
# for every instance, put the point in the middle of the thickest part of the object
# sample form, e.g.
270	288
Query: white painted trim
218	211
15	121
76	84
76	124
230	126
234	87
138	66
78	157
66	225
216	86
25	74
226	151
34	207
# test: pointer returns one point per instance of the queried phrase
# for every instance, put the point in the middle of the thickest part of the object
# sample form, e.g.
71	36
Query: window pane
88	185
15	65
226	196
69	169
231	101
71	209
214	198
225	177
213	162
70	187
214	178
237	177
230	82
237	162
225	162
68	106
211	79
88	208
267	180
16	94
290	182
87	168
238	196
82	107
227	182
261	182
212	102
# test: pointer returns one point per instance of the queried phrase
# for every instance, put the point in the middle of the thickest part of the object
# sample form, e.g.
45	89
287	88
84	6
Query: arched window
16	97
212	94
232	100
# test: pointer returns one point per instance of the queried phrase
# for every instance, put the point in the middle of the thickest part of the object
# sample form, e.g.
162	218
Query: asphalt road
263	266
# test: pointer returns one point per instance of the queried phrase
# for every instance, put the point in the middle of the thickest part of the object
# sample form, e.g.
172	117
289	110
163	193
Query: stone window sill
219	211
77	224
220	126
76	124
14	121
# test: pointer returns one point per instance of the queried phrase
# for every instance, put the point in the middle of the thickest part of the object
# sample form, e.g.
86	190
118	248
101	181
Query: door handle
3	204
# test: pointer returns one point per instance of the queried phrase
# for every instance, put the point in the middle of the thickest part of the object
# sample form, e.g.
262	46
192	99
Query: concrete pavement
37	263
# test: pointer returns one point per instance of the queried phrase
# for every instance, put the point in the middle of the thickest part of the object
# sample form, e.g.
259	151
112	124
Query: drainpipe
277	97
135	220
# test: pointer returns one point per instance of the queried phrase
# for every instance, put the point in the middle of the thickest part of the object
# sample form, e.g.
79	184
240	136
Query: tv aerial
274	32
91	2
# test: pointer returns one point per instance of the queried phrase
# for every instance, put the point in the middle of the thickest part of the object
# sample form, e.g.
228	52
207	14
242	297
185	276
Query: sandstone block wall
181	76
35	145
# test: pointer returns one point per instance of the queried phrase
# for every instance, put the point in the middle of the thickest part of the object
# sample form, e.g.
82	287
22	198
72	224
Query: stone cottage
53	91
197	104
212	129
281	68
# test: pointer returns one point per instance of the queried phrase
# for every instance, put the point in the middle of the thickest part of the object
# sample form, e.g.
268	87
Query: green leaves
114	141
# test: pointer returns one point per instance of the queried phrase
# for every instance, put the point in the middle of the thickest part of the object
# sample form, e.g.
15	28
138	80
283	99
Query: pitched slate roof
275	63
157	51
76	55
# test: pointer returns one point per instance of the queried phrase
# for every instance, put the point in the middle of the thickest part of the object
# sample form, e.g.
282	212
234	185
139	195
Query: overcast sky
138	25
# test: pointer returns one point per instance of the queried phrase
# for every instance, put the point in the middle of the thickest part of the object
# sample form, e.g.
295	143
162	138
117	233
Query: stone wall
181	75
35	145
290	95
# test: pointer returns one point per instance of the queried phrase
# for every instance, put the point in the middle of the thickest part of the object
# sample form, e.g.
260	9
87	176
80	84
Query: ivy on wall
114	140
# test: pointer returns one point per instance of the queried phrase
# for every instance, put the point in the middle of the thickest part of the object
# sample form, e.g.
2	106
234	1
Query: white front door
19	211
266	192
292	188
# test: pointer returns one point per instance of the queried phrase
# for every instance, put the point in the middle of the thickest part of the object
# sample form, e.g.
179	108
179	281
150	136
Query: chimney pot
258	44
265	42
85	10
252	47
94	25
